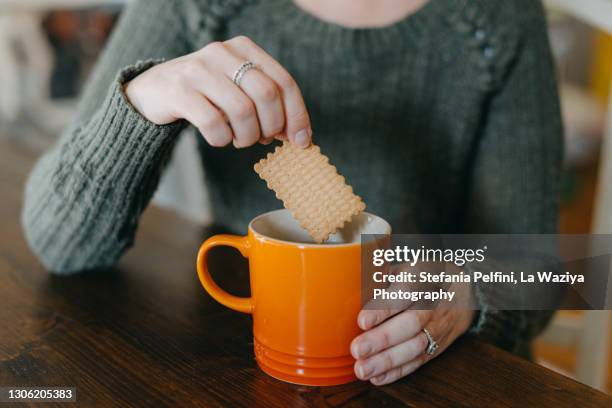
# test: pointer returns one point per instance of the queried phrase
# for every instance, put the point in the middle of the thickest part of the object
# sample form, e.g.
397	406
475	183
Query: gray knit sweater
444	122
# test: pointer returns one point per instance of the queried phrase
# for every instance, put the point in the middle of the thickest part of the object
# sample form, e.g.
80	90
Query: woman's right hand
198	87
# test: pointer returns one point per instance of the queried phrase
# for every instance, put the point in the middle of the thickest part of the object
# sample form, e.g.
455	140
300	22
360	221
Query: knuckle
287	83
177	91
179	76
212	48
239	145
421	343
267	92
187	71
405	370
252	139
211	122
214	130
246	140
420	319
275	129
383	315
387	361
242	40
385	339
218	140
394	375
243	109
412	321
300	120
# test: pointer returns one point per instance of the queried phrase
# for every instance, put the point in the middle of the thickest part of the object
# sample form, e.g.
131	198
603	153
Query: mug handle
240	304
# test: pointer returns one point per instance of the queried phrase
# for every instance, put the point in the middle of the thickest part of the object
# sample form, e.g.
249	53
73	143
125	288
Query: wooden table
145	333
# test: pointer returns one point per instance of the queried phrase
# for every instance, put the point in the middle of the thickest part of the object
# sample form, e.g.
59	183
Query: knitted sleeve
85	195
515	180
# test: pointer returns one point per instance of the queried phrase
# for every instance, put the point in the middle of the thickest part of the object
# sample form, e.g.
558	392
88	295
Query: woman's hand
394	343
198	87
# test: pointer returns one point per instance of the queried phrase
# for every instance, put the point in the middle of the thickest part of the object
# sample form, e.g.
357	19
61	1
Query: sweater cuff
121	100
499	327
92	186
483	312
120	141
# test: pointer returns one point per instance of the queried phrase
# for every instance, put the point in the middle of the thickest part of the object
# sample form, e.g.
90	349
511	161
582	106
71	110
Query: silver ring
432	345
243	69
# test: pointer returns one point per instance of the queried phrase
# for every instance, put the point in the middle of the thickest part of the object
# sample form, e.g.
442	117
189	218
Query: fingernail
363	349
302	138
366	322
355	350
379	379
364	371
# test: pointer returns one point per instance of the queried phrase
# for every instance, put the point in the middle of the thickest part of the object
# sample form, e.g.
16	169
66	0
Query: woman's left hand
394	344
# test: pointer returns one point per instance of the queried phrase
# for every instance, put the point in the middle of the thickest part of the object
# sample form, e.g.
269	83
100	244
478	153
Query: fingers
256	85
402	358
370	318
297	120
267	105
198	87
398	372
209	121
236	105
267	98
399	329
265	141
375	311
392	357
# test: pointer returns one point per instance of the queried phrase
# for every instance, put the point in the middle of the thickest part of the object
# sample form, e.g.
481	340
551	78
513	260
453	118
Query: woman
443	115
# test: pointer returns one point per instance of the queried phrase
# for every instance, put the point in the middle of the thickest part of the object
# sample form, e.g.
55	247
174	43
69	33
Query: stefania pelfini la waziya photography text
505	272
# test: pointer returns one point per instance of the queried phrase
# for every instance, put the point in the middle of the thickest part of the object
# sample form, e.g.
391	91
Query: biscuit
310	188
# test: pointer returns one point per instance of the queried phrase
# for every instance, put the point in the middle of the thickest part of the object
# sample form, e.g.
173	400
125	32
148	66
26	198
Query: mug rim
309	244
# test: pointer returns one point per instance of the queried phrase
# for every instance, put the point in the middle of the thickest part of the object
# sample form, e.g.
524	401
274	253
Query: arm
84	196
515	181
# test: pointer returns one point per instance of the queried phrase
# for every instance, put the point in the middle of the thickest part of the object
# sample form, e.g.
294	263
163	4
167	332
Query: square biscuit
310	188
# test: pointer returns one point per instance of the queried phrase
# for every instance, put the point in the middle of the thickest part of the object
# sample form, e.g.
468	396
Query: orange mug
305	297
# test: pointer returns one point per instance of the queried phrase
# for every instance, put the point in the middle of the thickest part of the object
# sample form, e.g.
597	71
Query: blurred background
48	47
